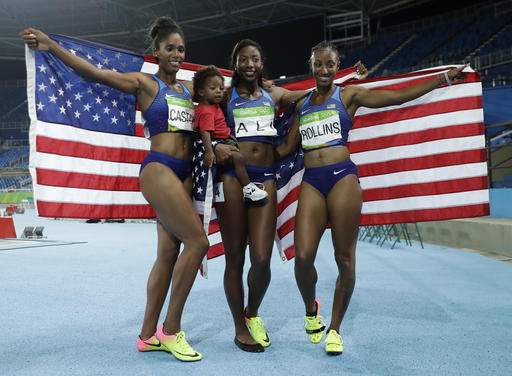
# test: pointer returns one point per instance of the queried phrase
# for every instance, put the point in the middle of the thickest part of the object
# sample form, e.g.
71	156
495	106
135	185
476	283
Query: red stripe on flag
213	227
86	181
89	211
419	163
426	189
215	250
83	150
290	198
289	252
424	215
417	111
417	137
286	227
139	130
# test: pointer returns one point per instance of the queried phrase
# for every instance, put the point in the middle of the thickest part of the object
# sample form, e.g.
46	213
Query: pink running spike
150	344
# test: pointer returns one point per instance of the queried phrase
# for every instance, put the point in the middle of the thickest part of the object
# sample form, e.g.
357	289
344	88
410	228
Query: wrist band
447	79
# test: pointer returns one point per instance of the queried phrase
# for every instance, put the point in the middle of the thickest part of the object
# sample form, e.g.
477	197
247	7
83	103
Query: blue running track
77	310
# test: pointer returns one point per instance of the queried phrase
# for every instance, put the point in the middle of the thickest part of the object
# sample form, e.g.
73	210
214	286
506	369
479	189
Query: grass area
15	197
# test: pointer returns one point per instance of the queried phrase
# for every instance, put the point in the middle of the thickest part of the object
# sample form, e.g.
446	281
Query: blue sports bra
170	111
251	120
323	125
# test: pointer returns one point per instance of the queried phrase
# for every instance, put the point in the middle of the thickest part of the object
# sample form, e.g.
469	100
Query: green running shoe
257	330
333	343
315	325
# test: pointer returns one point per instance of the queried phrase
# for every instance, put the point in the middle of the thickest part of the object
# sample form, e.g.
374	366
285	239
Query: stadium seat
28	232
38	232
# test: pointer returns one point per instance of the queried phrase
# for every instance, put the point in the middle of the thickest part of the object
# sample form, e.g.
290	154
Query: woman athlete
165	176
330	190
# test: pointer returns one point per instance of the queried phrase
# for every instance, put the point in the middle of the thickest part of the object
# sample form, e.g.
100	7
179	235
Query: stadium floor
77	309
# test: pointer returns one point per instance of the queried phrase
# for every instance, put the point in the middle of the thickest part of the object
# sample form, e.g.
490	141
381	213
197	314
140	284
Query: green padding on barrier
15	197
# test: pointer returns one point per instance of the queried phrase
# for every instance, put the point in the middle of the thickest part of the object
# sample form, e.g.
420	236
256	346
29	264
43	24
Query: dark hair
235	80
325	45
200	78
161	28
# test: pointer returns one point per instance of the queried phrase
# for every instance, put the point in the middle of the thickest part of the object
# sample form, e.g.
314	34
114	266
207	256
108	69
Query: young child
210	123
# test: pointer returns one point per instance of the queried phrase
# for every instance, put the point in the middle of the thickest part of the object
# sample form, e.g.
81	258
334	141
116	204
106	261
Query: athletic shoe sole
255	348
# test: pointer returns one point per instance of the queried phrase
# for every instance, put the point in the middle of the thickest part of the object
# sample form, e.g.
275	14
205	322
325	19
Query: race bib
181	114
320	128
254	121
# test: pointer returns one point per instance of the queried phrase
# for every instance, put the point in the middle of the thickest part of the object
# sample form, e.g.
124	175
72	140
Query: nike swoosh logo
305	111
239	104
153	344
338	172
266	174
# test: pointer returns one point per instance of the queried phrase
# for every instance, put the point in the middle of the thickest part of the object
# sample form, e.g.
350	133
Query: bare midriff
257	153
326	156
177	145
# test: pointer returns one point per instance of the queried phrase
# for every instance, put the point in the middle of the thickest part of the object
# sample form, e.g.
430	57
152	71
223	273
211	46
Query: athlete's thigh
168	244
344	203
171	201
232	216
310	220
262	222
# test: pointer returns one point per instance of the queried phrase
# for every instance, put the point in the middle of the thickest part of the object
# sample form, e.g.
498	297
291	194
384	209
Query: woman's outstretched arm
126	82
359	96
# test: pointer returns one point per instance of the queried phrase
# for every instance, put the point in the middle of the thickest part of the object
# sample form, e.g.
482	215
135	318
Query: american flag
86	139
424	160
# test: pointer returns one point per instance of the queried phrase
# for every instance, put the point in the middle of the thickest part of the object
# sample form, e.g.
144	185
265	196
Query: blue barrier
501	202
